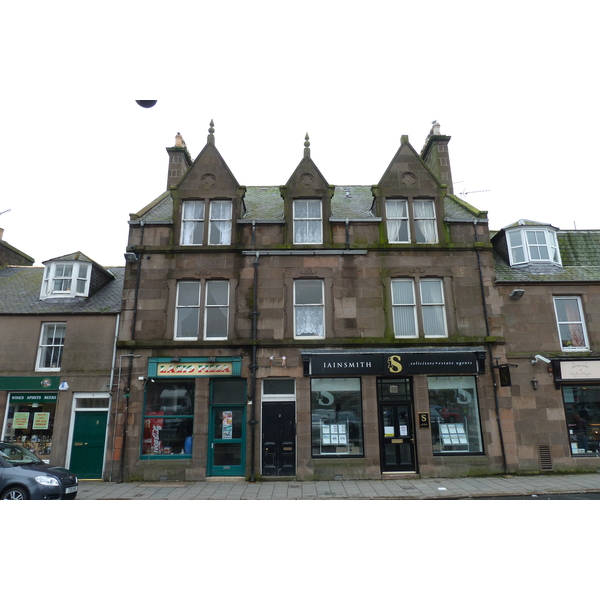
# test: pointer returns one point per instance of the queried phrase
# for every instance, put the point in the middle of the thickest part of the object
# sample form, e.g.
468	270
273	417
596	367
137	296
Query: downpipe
253	369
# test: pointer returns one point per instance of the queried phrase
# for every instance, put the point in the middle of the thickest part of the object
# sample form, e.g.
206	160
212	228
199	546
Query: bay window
66	280
527	245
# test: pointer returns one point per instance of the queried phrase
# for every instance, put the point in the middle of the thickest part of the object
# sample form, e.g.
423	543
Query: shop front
425	405
30	413
579	382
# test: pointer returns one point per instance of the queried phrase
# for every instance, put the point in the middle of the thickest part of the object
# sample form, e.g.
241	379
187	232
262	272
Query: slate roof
580	254
20	294
266	203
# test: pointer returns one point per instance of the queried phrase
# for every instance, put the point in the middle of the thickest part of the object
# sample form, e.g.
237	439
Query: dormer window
399	228
194	224
308	222
533	246
66	280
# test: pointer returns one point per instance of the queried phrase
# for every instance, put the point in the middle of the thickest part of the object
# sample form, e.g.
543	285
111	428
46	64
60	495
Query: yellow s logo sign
394	364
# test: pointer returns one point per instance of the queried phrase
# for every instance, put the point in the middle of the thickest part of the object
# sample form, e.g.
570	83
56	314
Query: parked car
24	476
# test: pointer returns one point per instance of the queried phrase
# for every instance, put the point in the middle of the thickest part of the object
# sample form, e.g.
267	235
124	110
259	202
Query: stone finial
211	131
179	141
306	146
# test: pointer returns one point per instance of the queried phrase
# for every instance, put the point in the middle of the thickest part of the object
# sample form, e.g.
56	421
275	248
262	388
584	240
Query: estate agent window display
454	415
337	421
582	410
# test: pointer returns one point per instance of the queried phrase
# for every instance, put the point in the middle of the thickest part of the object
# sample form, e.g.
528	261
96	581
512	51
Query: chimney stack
179	161
435	155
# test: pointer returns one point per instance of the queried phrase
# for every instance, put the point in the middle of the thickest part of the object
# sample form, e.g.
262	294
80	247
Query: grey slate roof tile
20	294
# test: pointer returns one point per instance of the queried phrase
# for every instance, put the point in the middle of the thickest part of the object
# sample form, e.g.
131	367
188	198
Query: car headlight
45	480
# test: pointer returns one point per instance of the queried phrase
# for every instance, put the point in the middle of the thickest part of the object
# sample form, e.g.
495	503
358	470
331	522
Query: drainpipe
131	356
490	350
253	368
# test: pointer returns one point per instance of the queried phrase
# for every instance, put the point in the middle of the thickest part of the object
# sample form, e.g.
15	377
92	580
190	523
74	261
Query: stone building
308	330
548	283
59	327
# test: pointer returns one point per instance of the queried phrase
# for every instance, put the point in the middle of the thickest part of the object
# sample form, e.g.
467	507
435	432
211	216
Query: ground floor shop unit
61	426
311	415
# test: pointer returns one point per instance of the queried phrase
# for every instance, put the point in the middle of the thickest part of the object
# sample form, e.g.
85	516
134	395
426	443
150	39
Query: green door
227	441
89	437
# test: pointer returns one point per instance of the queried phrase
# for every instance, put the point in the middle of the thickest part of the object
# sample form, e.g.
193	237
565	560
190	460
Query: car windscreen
17	455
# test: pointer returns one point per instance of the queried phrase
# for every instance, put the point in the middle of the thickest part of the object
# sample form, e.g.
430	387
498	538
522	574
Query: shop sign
41	420
193	370
29	383
21	420
580	369
40	397
394	364
423	420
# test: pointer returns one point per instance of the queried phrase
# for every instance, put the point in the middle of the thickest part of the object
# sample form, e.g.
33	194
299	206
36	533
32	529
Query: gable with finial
306	180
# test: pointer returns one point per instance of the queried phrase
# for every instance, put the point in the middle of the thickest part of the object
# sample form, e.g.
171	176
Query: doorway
88	444
226	441
279	439
396	426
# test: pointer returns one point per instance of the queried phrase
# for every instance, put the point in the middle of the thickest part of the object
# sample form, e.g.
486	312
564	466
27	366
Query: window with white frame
533	245
220	223
188	310
418	316
216	310
66	280
192	223
309	309
308	222
50	350
571	324
424	229
397	221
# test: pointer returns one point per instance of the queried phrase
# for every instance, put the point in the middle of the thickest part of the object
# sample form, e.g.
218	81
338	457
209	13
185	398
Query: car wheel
14	493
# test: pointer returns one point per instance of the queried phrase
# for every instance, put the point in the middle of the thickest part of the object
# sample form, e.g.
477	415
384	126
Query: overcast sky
514	85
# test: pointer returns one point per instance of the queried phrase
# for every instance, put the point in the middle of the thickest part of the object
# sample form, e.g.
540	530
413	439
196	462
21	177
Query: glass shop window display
168	419
454	415
582	409
336	411
30	424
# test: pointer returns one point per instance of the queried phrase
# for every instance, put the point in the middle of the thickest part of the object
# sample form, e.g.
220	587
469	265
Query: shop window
454	415
308	222
30	421
422	316
398	221
309	309
188	310
571	325
533	245
50	350
336	414
66	280
582	410
168	419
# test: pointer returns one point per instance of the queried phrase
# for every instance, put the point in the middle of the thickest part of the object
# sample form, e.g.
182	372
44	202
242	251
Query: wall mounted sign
394	364
580	369
195	367
423	420
34	397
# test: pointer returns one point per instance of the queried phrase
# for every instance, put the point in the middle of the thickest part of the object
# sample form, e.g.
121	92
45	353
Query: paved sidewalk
397	489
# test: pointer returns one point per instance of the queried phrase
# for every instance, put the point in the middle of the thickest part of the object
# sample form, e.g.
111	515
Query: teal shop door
227	441
89	437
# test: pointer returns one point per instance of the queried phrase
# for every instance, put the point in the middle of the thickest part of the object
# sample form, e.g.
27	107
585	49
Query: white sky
514	85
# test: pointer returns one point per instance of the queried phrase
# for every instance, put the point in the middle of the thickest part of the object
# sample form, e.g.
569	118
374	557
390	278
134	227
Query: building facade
308	330
59	327
548	283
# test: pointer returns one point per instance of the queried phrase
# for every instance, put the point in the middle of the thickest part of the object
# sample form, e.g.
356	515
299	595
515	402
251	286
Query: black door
279	439
396	436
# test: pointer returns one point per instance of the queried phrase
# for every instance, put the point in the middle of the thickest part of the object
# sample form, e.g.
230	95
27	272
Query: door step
401	475
226	479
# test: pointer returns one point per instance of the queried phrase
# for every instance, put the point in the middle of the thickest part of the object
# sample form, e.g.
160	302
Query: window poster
41	420
388	431
403	430
227	425
21	420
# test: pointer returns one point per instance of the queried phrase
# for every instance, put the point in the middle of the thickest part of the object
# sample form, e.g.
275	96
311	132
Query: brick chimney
179	161
435	156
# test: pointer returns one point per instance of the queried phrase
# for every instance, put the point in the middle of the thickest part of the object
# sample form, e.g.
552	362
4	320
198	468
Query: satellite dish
146	103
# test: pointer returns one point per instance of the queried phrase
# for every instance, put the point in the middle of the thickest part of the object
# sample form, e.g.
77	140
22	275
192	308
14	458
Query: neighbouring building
59	326
548	283
309	330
